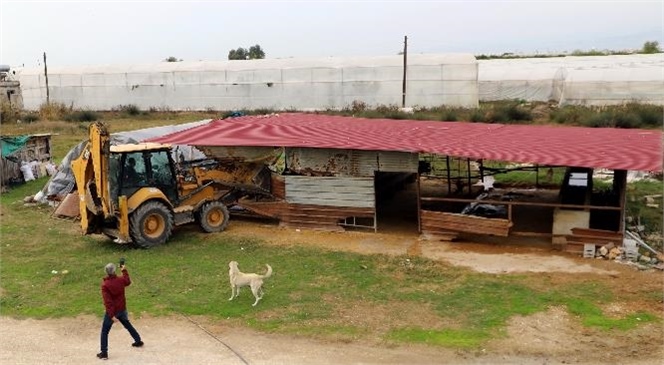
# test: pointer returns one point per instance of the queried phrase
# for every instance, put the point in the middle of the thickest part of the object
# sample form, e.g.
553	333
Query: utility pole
48	96
405	57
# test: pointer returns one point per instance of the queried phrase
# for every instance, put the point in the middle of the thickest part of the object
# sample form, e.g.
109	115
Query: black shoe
103	355
137	344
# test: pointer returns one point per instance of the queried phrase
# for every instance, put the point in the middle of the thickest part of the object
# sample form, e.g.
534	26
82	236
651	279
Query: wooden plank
443	221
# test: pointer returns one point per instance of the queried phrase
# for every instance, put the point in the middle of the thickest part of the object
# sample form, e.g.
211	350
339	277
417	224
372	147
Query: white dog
254	281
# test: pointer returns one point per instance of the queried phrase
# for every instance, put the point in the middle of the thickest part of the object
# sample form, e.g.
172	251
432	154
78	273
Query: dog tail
268	273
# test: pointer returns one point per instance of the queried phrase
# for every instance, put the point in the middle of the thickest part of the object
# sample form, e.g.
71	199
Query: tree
253	53
651	47
256	53
172	59
238	54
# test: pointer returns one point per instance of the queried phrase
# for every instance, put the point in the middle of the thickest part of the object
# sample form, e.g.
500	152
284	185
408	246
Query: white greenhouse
301	84
590	80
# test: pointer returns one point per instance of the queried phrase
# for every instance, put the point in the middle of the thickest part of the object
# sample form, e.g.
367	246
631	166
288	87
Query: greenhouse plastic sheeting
590	80
303	84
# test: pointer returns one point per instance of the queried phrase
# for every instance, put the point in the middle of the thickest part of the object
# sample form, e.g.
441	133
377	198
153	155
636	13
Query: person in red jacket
113	292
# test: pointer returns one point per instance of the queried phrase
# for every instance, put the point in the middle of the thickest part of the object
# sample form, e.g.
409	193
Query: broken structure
333	172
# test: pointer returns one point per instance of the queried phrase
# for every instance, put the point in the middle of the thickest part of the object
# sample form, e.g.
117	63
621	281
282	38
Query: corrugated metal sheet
336	162
624	149
320	161
330	191
389	161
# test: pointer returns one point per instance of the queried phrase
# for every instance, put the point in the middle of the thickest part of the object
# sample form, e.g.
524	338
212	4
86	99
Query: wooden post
620	184
419	206
405	57
449	177
48	96
482	170
470	189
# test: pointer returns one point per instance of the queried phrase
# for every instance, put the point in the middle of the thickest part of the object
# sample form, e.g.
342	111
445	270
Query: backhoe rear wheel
151	224
213	217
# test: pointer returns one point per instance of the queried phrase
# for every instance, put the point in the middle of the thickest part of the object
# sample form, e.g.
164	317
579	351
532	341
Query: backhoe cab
137	193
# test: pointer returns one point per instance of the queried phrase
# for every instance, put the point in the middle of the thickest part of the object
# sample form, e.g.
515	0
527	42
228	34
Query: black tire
213	217
151	224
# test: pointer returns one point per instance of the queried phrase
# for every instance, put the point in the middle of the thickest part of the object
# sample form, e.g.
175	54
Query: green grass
308	290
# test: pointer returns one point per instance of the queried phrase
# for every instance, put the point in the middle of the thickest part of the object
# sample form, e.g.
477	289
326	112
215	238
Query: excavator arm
91	173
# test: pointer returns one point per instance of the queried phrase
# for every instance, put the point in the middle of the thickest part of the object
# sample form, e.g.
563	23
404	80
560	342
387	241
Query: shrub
518	113
649	115
358	106
600	120
385	109
626	120
82	116
129	109
7	113
54	111
477	116
449	115
570	114
30	117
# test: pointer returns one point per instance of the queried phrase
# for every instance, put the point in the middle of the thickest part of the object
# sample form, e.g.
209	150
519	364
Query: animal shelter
332	172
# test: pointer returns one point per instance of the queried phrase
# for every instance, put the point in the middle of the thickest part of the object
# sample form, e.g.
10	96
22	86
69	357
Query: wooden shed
338	170
29	148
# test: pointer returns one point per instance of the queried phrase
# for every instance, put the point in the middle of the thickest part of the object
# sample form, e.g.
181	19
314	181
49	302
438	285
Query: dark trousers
108	323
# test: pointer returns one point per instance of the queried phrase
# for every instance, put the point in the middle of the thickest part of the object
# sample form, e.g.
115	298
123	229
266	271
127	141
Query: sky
141	32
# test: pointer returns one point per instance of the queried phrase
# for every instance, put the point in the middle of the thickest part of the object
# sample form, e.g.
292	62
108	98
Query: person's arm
108	301
125	275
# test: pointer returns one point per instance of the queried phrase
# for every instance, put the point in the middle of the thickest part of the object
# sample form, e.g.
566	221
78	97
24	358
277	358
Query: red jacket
113	292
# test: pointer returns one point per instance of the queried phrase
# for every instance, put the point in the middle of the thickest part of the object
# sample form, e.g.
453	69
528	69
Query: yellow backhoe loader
138	192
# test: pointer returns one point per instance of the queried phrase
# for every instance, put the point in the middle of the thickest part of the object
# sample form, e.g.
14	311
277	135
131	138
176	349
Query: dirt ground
552	337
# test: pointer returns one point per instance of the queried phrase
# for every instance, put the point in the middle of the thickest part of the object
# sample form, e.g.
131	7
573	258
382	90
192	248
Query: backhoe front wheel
151	224
214	217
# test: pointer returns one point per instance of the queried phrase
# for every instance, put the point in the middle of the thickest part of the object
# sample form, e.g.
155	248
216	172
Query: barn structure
33	150
336	172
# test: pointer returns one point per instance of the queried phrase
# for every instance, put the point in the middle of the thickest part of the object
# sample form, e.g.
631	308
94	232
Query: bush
54	111
129	109
449	116
477	116
385	109
358	106
509	112
30	117
649	115
626	120
570	114
7	113
82	116
601	120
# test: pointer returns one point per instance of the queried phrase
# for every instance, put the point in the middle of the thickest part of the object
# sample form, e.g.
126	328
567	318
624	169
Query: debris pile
629	253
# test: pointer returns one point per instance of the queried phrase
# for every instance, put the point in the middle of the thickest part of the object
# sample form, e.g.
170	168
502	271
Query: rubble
629	253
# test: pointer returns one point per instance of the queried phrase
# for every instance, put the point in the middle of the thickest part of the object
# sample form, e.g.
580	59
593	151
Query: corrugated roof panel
628	149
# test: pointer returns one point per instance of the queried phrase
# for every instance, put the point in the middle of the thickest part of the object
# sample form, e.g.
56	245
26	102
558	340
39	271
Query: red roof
625	149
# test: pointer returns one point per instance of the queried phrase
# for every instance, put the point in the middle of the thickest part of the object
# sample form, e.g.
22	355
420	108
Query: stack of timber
322	217
582	236
443	222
